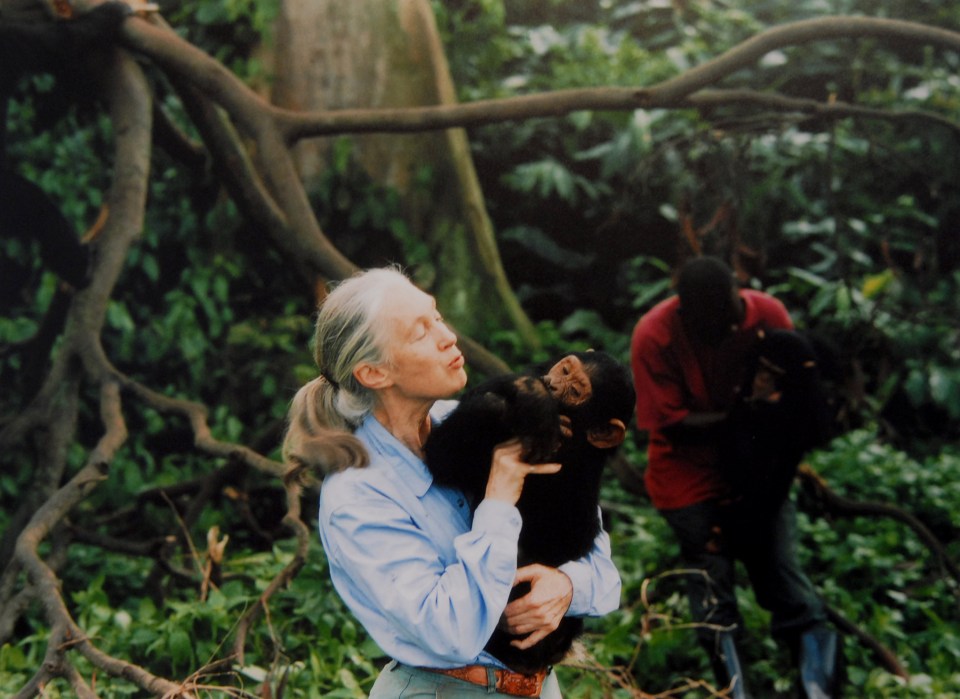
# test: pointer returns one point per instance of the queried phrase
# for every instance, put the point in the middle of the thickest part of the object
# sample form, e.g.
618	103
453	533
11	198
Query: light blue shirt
427	583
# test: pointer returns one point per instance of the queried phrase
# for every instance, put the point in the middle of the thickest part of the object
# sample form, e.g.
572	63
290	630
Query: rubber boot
820	663
726	666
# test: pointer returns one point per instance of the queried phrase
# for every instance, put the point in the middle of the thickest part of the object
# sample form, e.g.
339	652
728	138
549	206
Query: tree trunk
328	55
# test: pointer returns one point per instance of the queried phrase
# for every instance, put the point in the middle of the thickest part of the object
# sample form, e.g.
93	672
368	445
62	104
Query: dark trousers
713	536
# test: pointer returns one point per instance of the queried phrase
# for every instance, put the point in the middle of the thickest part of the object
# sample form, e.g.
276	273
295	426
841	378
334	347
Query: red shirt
675	377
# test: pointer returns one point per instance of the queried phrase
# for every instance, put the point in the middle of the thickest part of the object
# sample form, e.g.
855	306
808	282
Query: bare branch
884	655
130	116
78	684
668	94
301	240
834	109
795	33
196	414
171	139
836	504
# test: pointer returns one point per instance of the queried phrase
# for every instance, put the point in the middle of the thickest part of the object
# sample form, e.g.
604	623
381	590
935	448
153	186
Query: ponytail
318	441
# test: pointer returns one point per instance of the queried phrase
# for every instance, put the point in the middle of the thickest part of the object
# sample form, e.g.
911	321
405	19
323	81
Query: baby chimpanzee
573	411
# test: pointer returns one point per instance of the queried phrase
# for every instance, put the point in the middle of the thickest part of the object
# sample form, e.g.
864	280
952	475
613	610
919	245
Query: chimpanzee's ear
607	436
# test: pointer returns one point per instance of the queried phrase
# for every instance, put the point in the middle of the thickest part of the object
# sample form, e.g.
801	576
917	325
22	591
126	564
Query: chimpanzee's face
765	385
569	382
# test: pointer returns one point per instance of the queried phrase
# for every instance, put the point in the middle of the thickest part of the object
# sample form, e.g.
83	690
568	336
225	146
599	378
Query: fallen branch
888	661
837	505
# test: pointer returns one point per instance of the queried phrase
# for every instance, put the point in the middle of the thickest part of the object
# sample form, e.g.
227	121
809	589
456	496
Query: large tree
375	55
68	437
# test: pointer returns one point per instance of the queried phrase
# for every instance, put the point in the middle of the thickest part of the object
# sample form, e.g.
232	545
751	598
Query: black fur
559	511
764	442
63	49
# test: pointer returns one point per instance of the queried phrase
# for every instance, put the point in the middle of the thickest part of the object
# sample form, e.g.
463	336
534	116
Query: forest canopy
182	180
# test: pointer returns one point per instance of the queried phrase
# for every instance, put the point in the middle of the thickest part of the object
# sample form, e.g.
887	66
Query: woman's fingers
551	467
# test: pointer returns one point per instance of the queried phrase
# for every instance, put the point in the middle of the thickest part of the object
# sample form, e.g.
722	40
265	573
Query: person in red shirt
688	356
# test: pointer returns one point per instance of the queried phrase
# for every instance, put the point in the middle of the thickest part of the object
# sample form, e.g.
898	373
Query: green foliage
476	55
879	574
904	338
366	220
312	641
229	29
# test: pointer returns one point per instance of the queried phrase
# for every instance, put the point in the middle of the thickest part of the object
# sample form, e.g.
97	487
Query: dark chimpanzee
64	49
781	414
573	411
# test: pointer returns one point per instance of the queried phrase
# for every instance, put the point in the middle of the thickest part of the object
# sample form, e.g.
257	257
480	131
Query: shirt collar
402	463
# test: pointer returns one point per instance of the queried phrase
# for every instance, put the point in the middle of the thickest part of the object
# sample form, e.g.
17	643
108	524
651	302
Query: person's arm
589	586
696	428
393	577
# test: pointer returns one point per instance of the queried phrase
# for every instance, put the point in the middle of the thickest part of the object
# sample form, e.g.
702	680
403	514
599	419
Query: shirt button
460	502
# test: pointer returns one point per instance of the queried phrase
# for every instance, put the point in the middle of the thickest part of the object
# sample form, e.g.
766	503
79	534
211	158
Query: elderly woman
427	580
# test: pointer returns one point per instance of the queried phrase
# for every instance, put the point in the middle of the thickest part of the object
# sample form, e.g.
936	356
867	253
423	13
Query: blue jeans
713	536
398	681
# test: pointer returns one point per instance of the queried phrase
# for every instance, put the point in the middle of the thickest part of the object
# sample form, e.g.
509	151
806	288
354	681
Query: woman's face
423	360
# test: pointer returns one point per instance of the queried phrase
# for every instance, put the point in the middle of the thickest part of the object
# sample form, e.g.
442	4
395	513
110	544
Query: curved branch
668	94
153	38
179	145
64	632
707	99
794	33
196	414
309	251
50	668
294	226
888	661
284	211
305	244
214	83
130	110
838	505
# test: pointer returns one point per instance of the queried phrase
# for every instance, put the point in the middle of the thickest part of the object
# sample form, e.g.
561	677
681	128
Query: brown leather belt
504	681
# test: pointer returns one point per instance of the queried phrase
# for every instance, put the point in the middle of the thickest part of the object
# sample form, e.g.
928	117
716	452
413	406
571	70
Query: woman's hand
538	612
508	471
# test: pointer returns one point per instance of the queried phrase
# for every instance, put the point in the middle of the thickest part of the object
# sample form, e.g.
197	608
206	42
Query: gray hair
349	331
